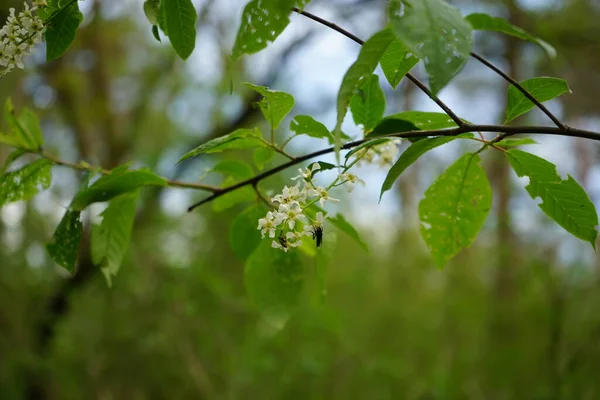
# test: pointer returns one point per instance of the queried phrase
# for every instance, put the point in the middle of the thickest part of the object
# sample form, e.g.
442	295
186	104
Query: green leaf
234	172
12	157
64	245
11	141
46	11
307	125
239	196
275	105
24	129
26	182
454	208
110	239
515	142
367	145
396	62
17	137
233	169
323	260
409	156
412	121
262	156
116	183
179	17
237	140
362	69
262	21
368	104
244	238
31	126
542	89
565	201
60	32
489	23
436	33
154	16
308	248
324	166
152	11
343	225
84	182
155	33
274	281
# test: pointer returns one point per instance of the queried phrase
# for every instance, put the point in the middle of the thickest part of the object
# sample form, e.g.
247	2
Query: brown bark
501	327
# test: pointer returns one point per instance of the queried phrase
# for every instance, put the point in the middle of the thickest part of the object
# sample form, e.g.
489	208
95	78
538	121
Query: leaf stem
287	141
261	196
277	149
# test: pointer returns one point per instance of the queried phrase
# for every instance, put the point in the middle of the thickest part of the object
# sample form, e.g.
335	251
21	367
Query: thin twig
82	166
410	76
190	185
329	25
436	99
261	196
521	89
505	130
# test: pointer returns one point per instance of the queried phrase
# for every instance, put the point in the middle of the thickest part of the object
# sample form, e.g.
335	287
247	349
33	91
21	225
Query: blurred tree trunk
500	172
408	182
502	331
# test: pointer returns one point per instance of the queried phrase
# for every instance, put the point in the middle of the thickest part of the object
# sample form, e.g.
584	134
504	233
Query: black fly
318	234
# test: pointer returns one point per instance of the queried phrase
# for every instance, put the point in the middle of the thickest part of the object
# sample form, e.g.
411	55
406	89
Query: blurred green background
514	317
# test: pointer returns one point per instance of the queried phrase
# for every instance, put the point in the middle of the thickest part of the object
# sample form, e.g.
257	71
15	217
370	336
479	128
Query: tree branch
410	76
463	127
521	89
426	90
86	167
505	131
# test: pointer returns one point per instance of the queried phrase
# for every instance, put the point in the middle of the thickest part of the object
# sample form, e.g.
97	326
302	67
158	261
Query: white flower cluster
290	222
384	154
19	36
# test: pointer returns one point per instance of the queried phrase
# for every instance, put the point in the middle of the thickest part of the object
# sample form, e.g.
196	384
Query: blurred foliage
177	322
